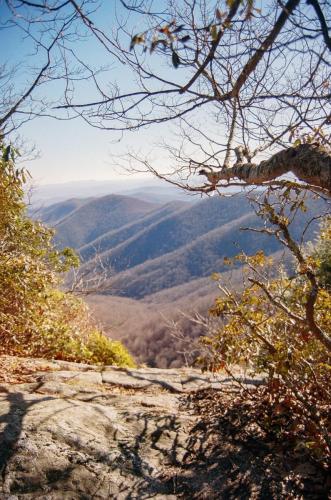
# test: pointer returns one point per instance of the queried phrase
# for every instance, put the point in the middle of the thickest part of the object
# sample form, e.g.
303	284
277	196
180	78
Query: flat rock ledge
75	431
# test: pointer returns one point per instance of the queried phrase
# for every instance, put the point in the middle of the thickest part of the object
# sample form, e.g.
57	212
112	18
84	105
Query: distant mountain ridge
115	237
174	231
98	216
151	247
53	214
198	258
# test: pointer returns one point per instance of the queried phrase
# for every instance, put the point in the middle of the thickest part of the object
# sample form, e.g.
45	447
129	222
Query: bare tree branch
310	163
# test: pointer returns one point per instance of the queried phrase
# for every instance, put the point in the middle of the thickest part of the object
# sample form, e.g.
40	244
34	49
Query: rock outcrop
73	431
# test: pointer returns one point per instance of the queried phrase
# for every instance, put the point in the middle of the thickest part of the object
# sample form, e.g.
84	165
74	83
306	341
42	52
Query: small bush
106	351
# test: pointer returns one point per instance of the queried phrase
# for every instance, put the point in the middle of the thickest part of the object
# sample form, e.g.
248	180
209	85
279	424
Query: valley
155	260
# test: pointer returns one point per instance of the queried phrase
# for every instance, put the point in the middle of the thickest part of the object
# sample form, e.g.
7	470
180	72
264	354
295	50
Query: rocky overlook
74	431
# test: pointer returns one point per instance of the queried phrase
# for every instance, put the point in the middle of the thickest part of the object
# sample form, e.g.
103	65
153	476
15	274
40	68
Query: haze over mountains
160	257
149	190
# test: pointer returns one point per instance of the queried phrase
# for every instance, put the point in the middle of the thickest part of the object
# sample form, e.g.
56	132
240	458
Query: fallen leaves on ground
15	370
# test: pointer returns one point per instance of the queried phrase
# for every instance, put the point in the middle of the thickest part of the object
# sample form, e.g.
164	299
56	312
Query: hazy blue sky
72	150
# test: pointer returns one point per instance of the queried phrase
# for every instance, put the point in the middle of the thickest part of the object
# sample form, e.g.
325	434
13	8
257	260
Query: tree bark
310	163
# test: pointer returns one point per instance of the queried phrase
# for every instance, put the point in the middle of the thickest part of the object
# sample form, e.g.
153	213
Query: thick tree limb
215	43
251	65
322	20
310	163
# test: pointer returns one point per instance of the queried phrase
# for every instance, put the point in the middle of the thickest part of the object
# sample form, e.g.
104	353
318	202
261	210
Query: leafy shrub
103	350
279	326
322	253
36	317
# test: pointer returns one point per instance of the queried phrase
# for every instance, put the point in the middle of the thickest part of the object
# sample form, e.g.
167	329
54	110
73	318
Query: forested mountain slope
115	237
99	216
53	214
175	231
199	258
150	248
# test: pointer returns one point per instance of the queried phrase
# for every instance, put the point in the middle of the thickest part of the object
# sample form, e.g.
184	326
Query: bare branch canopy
229	76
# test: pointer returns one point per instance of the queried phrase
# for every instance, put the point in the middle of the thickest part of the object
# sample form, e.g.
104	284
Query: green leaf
175	59
155	43
227	24
136	39
213	32
179	28
219	15
185	38
6	153
153	46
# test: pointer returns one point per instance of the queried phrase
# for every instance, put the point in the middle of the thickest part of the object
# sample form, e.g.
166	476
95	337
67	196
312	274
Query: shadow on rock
13	423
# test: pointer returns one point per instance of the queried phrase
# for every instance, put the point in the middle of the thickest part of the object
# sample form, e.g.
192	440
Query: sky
73	150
